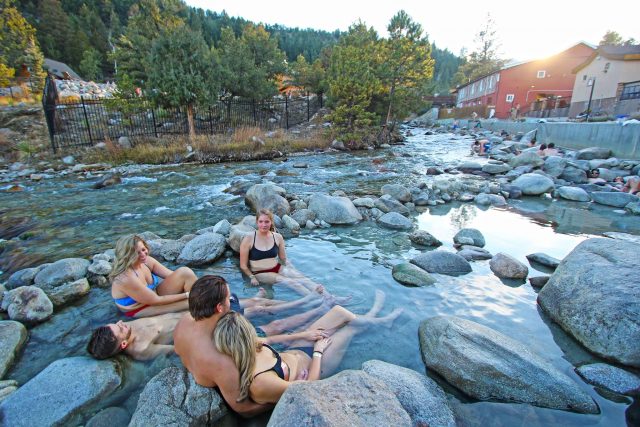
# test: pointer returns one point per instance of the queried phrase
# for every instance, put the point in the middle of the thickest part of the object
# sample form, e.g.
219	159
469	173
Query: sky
526	30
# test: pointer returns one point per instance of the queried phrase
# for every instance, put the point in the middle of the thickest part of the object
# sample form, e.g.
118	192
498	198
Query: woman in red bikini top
262	254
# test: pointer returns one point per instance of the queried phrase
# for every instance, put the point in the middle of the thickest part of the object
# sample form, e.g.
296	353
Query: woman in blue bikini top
141	286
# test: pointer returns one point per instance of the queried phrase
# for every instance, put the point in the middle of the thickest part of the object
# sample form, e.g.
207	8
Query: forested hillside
83	33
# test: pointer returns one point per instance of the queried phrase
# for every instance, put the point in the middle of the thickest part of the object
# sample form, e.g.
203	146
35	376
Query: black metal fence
84	123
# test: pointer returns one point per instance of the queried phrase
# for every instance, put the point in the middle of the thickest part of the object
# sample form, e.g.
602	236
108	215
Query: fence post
286	111
308	107
211	120
86	118
255	117
153	117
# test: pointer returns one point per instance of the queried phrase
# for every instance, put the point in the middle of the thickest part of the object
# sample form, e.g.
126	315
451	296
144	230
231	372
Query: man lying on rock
149	337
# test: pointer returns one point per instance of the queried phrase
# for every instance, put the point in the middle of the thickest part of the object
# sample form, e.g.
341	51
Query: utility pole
593	84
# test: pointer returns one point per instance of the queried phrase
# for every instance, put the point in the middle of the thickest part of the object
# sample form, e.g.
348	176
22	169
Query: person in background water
551	150
541	150
141	286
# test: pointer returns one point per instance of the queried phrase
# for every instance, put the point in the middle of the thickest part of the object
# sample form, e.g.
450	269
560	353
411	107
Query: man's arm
225	374
309	335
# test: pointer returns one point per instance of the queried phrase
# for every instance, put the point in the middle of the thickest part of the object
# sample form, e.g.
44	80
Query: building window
584	77
510	97
606	66
630	91
541	74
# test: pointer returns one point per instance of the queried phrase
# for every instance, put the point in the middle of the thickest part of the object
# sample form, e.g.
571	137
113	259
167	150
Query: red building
538	88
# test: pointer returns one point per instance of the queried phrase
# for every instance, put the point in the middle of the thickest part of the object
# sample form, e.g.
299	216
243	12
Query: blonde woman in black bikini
263	258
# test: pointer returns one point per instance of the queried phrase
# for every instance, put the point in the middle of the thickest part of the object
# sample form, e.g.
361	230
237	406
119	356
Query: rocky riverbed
461	243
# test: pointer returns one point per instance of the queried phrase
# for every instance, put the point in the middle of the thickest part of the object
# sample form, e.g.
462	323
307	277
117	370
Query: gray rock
291	224
507	267
349	398
544	259
68	160
124	142
27	304
397	191
22	278
69	292
485	199
623	236
310	225
468	167
477	239
419	395
12	338
594	295
237	233
554	166
424	238
222	227
593	153
95	280
363	202
203	250
107	181
113	416
303	215
62	392
62	271
395	221
526	158
610	377
267	196
338	145
173	398
474	253
410	275
6	388
574	193
488	365
388	204
100	267
616	199
442	262
533	184
171	249
334	210
633	207
496	169
539	281
575	175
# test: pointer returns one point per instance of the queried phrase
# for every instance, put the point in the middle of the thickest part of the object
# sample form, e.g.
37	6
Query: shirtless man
209	299
147	338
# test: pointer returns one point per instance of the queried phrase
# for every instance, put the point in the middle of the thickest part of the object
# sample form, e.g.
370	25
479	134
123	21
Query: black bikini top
277	368
257	255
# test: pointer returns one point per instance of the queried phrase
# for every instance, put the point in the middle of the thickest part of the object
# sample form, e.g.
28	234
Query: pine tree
484	60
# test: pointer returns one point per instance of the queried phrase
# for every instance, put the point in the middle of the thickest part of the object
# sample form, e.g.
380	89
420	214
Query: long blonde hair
268	213
236	337
126	254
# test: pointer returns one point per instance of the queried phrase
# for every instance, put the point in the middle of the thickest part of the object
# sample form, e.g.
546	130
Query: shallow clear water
66	218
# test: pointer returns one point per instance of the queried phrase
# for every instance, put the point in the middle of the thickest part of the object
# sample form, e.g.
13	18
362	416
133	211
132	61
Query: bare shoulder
123	278
279	237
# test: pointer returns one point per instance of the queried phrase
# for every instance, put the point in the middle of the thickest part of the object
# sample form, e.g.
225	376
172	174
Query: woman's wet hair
205	295
103	343
236	337
593	172
126	254
268	213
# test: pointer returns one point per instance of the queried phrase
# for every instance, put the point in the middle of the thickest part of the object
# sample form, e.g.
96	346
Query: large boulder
395	221
533	184
526	158
202	250
574	174
62	393
27	304
267	196
485	199
397	191
22	277
442	262
594	295
69	292
12	337
488	365
410	275
334	209
575	194
554	166
349	398
507	267
173	398
616	199
113	416
424	238
62	271
386	204
419	395
610	377
544	259
593	153
469	236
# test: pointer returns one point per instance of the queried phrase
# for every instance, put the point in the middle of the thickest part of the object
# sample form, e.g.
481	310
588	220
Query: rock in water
488	365
594	295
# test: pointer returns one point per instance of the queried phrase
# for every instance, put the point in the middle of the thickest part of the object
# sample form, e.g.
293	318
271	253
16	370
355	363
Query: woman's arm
245	246
144	295
282	252
310	335
157	268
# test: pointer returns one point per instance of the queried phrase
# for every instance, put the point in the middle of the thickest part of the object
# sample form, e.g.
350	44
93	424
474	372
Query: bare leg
177	282
278	307
290	323
336	318
154	310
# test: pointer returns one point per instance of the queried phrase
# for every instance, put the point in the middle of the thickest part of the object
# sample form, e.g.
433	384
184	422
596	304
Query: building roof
616	53
59	68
